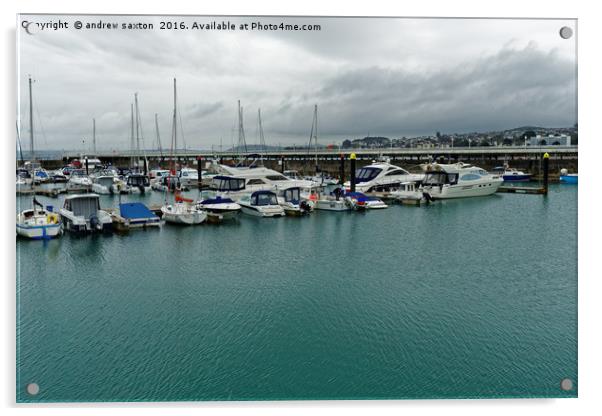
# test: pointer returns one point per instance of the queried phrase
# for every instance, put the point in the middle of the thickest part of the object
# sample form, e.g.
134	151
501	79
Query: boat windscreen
85	207
263	199
367	174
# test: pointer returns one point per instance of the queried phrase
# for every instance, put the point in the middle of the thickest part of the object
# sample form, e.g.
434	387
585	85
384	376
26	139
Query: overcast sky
387	77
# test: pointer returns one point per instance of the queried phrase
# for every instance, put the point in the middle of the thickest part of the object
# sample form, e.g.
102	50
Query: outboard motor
305	207
95	222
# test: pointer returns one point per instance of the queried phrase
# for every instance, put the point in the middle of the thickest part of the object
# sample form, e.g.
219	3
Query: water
466	298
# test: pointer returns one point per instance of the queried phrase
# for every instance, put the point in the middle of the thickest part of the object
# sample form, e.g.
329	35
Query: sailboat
138	182
320	177
183	210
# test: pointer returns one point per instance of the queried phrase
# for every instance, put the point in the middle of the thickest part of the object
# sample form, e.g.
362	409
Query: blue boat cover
135	211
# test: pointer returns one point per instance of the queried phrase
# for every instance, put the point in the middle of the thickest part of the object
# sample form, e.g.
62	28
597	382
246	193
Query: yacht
381	176
82	213
261	204
290	199
183	211
38	223
458	180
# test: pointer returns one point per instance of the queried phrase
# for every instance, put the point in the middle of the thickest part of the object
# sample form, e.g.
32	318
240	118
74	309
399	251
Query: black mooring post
282	164
87	169
342	170
546	168
145	167
199	168
352	180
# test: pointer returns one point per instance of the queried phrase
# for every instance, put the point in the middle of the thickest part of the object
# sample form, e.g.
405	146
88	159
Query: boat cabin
137	180
227	183
83	205
263	198
292	195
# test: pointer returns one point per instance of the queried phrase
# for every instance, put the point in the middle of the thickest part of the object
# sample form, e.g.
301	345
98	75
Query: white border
590	348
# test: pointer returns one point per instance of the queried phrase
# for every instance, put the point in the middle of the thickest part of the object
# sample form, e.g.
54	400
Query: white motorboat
290	199
138	183
224	207
360	201
261	204
82	213
39	223
322	179
24	178
335	201
103	183
511	174
188	177
79	179
458	180
183	211
407	191
381	176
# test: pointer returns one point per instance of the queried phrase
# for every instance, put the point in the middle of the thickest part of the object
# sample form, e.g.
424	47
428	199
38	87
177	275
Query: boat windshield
277	178
222	183
264	199
440	178
292	195
367	174
138	181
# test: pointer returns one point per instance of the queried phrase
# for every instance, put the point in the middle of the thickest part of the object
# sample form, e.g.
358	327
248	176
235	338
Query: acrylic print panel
421	176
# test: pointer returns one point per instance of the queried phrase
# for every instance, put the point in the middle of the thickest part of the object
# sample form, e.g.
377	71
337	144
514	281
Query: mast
261	136
175	118
158	137
94	135
31	148
132	138
137	126
242	143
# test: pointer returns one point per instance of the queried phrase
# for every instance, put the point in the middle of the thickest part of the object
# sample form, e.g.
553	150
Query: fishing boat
183	211
568	178
81	213
290	199
261	204
511	174
360	201
381	176
39	223
458	180
224	207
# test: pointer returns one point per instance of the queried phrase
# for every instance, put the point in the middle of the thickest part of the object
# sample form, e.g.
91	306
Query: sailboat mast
137	125
261	137
315	129
158	136
132	137
33	155
175	116
94	135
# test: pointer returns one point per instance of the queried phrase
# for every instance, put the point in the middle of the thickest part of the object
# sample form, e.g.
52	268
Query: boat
568	178
58	176
39	223
225	207
381	176
458	180
138	183
293	174
360	201
104	183
183	211
261	204
82	213
188	177
511	175
40	175
135	215
290	200
24	178
78	179
334	201
407	191
157	174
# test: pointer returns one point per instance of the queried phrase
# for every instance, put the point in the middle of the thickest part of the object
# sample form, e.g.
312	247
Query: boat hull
331	205
569	179
264	211
39	232
463	191
176	216
517	178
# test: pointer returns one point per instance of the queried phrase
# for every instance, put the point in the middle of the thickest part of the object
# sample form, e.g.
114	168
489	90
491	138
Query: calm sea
471	298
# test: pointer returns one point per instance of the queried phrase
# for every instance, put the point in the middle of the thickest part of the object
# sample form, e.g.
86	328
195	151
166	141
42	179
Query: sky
390	77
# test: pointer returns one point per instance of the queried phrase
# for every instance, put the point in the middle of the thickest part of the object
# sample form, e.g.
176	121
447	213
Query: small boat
135	215
41	176
332	202
24	178
138	183
78	180
360	201
290	200
58	176
226	207
407	191
458	180
511	174
183	211
39	223
261	204
568	178
82	213
103	183
188	177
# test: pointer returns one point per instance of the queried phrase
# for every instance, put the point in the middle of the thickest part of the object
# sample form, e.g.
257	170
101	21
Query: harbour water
469	298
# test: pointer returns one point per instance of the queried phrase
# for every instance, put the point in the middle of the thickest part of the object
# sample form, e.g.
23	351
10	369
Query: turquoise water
467	298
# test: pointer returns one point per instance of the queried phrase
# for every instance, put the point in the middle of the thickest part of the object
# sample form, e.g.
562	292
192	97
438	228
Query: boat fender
52	218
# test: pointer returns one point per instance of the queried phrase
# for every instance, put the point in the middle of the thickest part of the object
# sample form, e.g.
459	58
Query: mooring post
283	168
352	179
342	170
546	167
87	169
145	167
199	168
